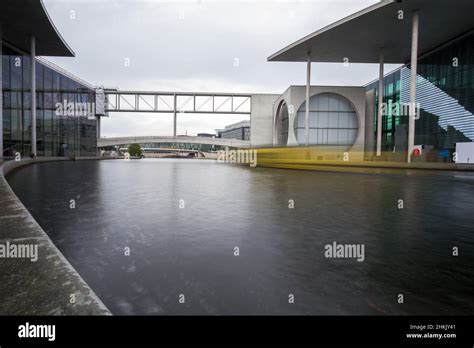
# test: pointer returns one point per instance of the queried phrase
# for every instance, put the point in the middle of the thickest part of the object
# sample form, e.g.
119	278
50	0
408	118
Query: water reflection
190	250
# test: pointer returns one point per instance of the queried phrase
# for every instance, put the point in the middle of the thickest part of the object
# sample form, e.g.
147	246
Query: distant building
206	135
239	130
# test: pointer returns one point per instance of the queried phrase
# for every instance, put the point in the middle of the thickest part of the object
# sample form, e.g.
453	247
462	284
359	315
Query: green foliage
135	150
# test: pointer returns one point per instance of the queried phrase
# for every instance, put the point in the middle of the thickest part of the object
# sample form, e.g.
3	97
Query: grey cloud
191	46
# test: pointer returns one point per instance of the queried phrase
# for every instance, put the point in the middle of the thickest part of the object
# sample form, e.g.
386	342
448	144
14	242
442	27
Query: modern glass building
239	130
423	113
445	93
62	115
59	133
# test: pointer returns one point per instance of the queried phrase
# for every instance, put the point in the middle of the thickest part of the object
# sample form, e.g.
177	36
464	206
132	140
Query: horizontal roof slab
362	36
21	19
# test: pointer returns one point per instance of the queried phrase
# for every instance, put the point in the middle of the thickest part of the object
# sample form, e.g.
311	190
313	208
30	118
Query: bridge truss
177	103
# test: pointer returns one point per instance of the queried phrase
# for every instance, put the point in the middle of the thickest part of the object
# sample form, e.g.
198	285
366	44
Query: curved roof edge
276	56
384	28
73	54
22	19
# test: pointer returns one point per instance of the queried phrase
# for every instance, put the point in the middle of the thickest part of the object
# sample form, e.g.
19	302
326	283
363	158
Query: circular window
332	121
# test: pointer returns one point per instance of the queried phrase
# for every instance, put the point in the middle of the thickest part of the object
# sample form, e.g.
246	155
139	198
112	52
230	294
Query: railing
64	72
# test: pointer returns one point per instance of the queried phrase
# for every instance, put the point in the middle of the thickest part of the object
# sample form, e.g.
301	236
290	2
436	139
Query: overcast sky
192	46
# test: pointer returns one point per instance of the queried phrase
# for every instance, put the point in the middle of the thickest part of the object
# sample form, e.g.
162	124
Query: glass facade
393	116
60	131
241	133
445	97
332	121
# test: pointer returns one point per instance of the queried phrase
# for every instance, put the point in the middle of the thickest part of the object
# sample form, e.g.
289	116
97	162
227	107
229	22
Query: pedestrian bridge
114	141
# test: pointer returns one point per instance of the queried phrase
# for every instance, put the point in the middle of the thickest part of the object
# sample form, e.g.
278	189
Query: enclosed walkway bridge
177	103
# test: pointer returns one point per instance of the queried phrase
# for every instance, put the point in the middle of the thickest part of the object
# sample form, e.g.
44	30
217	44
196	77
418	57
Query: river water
144	232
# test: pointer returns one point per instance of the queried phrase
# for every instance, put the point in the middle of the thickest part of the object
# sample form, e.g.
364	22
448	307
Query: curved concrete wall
295	96
261	119
43	287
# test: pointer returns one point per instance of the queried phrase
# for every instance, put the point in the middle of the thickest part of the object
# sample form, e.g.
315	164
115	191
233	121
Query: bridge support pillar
175	120
98	134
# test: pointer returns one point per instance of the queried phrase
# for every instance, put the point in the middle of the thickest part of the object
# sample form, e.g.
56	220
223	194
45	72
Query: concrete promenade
49	286
308	159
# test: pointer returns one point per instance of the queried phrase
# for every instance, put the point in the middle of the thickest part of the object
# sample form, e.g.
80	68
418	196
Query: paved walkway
49	286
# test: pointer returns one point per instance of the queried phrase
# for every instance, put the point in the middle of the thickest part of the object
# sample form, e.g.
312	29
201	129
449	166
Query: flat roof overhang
362	36
21	19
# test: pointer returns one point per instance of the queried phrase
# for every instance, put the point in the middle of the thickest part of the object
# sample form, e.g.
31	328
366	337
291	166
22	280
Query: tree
135	150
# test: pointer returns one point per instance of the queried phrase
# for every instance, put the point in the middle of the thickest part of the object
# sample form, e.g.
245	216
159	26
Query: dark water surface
190	251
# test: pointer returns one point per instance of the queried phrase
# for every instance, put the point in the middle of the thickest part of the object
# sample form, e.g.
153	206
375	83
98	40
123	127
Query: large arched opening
282	124
332	122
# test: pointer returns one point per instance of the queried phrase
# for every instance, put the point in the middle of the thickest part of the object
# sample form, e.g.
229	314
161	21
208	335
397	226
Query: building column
380	105
308	85
98	134
1	97
175	119
33	96
98	127
413	67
